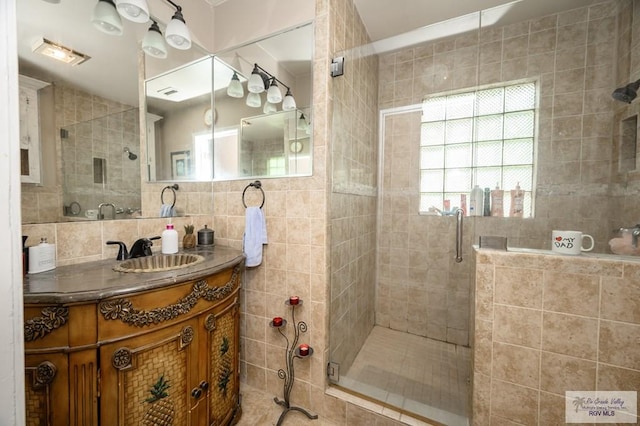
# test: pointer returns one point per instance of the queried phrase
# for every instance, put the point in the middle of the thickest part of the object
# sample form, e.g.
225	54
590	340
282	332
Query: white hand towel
167	210
255	235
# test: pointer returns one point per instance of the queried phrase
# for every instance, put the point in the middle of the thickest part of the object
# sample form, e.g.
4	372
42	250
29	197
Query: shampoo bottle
517	201
487	202
497	201
476	205
169	240
463	204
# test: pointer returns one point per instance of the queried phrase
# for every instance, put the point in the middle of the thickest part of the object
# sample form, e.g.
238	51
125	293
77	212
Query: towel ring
173	189
257	185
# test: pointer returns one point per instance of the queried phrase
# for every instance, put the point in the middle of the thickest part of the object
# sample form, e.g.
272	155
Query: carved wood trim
53	317
123	309
122	358
44	374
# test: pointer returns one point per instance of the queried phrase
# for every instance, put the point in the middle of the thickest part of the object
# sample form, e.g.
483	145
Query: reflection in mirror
193	136
81	107
96	168
275	144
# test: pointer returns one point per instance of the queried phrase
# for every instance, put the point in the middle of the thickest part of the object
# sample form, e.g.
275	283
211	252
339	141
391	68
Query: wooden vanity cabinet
167	356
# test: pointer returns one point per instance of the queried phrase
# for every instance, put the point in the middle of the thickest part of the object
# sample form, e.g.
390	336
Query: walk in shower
525	97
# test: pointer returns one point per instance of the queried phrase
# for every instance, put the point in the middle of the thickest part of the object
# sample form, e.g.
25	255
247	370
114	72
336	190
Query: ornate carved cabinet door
46	389
151	379
220	357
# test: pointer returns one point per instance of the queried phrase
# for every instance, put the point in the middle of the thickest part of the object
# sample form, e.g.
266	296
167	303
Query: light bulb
255	83
269	108
235	89
289	103
177	33
105	18
153	43
273	94
133	10
254	100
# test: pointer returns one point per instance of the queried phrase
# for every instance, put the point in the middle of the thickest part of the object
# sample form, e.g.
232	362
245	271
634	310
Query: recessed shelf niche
628	144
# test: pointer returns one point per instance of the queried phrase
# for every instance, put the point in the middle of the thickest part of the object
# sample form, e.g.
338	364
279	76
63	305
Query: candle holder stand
291	353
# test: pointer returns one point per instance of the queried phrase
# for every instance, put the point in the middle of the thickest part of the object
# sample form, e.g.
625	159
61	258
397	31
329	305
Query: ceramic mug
570	242
91	214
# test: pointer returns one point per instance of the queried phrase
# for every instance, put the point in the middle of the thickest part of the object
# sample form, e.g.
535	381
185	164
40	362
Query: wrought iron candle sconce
292	351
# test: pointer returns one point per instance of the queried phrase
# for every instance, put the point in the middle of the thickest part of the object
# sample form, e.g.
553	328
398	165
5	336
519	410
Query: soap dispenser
169	240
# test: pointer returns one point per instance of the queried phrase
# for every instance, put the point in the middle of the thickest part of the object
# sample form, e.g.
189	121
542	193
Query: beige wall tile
570	335
552	409
518	287
483	349
518	326
516	364
621	299
571	293
515	403
619	344
560	373
617	379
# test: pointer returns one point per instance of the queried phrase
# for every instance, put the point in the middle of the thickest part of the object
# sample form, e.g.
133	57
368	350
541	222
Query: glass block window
486	138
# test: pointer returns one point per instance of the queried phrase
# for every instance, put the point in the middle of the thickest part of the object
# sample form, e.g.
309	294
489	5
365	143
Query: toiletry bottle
517	201
497	201
463	204
169	240
476	207
487	202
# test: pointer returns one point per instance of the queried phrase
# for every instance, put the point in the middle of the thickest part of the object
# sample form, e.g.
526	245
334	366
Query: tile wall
354	155
547	324
571	55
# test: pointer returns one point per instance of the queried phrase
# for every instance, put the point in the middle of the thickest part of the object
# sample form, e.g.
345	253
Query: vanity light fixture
274	95
302	123
105	18
235	89
256	82
153	43
289	103
59	52
260	80
177	33
133	10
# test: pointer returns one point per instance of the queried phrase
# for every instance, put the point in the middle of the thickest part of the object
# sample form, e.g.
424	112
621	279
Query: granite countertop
93	281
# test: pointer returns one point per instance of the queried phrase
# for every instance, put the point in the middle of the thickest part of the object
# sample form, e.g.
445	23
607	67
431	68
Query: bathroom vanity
124	348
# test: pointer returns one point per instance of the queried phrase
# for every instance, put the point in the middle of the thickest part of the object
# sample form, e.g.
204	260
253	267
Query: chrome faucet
101	215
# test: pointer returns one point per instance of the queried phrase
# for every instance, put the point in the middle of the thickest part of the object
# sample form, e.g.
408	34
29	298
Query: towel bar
258	185
173	189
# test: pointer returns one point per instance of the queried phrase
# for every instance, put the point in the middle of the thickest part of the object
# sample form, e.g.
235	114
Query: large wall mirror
236	133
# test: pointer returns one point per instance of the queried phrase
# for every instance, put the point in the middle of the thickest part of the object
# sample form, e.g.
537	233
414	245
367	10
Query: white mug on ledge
570	242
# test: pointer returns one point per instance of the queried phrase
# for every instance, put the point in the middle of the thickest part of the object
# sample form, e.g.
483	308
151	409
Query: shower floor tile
423	376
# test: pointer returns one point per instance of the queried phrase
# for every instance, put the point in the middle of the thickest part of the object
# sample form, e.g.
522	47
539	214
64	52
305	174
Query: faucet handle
122	252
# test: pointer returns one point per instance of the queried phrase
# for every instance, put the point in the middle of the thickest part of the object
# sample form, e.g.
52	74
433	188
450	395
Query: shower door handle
459	214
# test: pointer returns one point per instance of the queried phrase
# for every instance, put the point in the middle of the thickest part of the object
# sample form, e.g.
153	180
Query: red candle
293	300
304	349
277	322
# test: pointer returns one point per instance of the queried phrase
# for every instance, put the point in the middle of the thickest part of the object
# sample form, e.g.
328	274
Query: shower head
627	93
131	155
